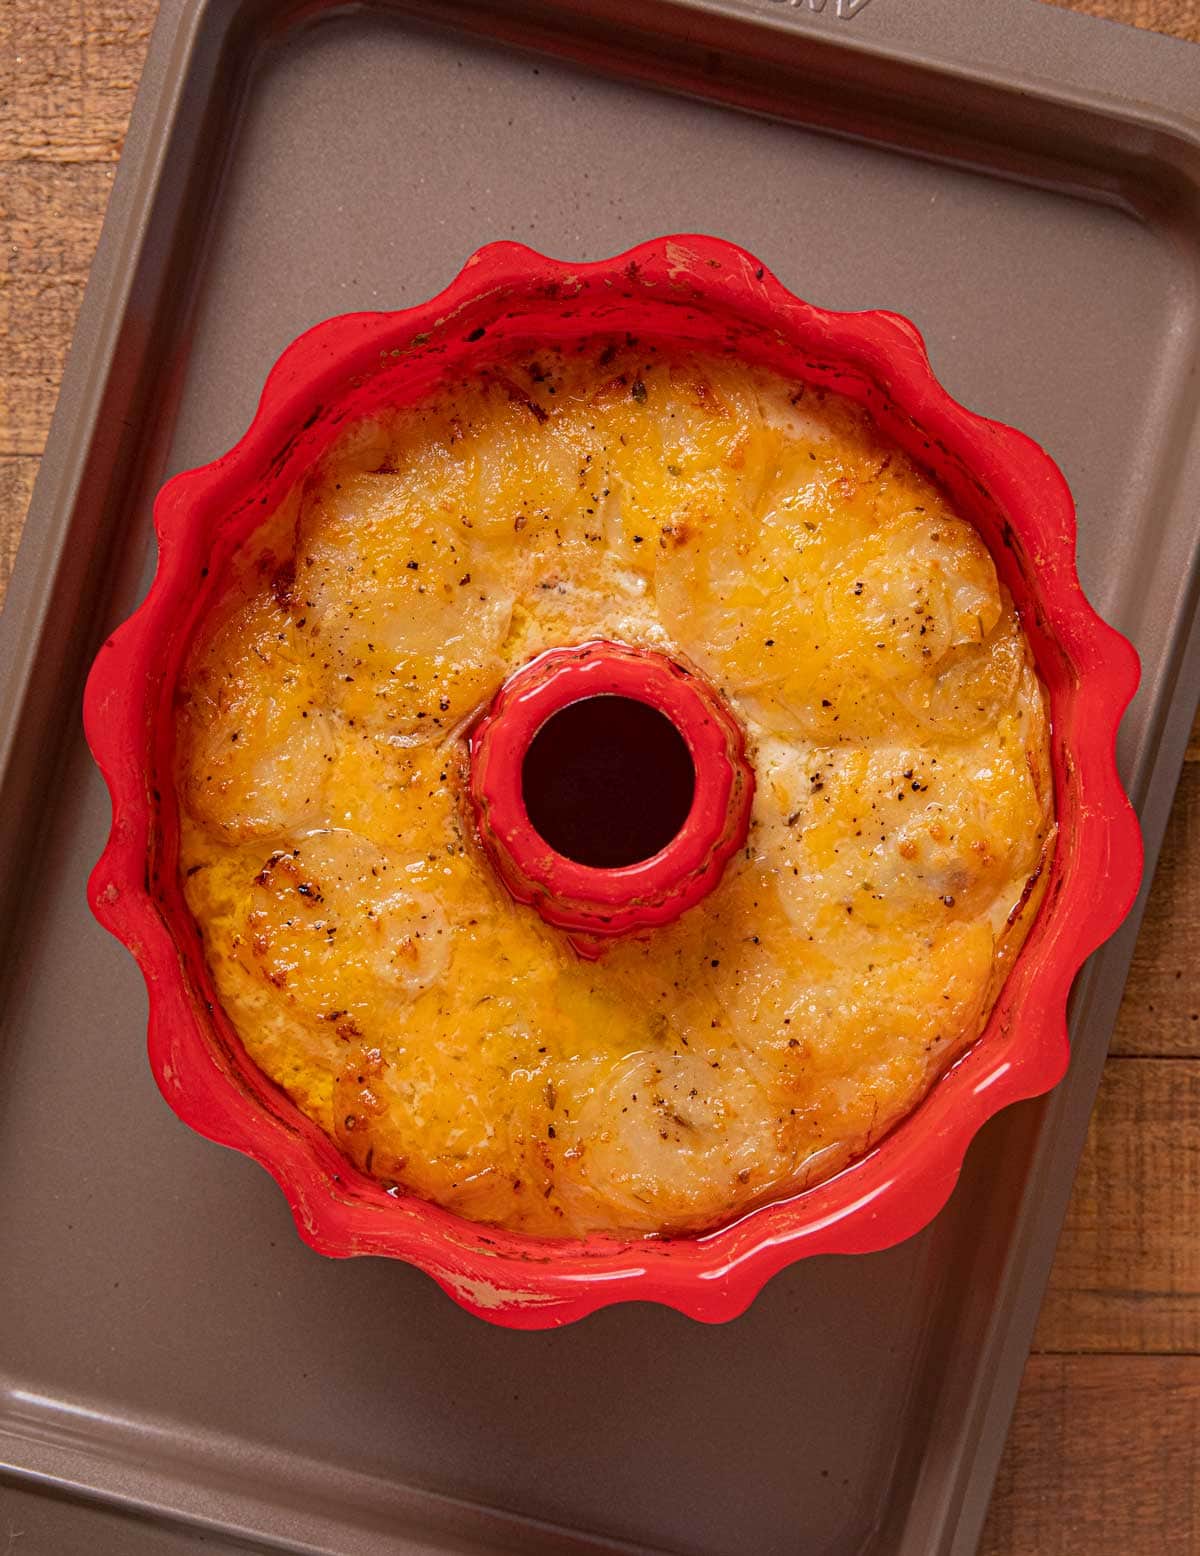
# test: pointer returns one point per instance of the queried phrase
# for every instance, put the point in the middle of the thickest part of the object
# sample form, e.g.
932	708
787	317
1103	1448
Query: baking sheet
1019	181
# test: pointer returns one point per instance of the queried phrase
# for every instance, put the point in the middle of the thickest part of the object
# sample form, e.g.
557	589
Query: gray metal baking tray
176	1369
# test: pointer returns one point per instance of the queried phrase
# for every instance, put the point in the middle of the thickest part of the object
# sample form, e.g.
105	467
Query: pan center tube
610	787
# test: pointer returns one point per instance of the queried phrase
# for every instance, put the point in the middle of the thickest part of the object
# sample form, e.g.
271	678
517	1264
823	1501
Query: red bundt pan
684	291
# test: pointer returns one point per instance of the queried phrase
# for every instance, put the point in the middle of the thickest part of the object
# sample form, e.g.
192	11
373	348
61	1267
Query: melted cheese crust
451	1043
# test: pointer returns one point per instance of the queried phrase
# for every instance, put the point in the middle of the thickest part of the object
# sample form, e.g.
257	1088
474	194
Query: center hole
608	781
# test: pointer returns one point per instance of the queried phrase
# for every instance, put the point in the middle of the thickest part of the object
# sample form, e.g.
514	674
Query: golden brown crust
449	1041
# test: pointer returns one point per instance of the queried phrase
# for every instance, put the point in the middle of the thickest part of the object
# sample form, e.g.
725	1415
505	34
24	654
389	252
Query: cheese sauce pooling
450	1042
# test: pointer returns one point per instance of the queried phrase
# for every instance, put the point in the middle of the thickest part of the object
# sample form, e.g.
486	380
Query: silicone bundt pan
691	292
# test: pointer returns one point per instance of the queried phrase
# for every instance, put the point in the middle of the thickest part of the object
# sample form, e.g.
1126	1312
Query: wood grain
1127	1276
16	488
1181	18
69	73
73	67
1102	1458
1160	1014
49	221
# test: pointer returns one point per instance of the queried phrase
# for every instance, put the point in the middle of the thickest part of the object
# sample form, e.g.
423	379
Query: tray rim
178	39
1176	127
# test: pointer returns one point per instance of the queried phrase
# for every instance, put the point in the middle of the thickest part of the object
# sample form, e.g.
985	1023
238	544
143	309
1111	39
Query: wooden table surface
1104	1454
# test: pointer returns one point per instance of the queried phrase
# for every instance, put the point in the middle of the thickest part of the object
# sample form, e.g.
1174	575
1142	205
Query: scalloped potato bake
450	1042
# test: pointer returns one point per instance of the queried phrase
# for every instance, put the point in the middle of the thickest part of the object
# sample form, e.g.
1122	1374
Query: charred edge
1027	890
283	584
521	397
